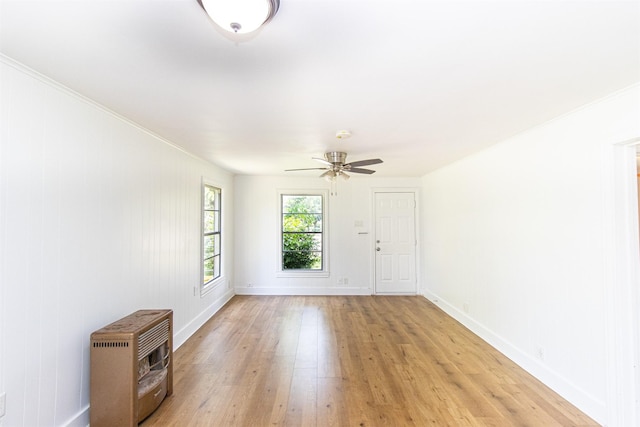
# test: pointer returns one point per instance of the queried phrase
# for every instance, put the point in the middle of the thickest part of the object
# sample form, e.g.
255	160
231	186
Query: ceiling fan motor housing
334	157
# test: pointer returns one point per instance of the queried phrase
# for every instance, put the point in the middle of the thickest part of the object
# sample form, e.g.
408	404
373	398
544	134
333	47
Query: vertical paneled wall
98	218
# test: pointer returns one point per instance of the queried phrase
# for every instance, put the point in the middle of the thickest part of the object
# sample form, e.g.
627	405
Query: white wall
350	253
98	218
515	246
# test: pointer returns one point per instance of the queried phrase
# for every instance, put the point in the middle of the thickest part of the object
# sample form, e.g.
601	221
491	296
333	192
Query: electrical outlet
345	281
3	399
540	353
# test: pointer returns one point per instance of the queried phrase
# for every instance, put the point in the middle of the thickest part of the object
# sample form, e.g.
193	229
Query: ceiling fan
335	165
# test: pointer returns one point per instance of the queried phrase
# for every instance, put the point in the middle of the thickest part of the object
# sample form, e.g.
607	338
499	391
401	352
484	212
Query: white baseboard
183	334
303	291
81	419
591	406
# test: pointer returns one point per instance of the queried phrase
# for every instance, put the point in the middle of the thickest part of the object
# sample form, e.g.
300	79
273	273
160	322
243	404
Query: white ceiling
419	83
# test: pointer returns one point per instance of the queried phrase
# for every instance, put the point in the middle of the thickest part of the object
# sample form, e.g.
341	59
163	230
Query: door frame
417	231
622	296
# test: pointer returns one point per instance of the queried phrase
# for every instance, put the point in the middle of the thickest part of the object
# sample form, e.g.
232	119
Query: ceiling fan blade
360	170
365	162
305	169
322	161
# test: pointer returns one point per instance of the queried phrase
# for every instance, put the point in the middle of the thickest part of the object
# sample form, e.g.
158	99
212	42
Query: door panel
395	243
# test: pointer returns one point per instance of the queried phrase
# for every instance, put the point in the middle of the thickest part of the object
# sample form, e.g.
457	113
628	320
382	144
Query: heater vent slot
106	344
153	338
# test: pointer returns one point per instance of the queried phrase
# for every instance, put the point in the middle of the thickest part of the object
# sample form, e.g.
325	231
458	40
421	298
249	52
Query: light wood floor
350	361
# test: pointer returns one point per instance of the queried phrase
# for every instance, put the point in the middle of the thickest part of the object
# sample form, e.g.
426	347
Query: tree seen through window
302	229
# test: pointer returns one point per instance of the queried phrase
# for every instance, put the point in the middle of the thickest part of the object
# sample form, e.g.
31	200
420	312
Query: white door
395	239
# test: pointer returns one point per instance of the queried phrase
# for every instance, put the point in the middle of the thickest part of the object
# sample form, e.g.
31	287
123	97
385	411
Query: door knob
378	249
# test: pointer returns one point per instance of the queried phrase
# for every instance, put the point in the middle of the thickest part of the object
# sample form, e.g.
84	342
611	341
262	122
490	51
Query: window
302	230
211	233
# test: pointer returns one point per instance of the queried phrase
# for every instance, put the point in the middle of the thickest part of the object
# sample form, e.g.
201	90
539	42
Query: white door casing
395	243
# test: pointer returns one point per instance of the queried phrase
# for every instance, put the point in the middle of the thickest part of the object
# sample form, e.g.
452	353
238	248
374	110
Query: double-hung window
211	234
303	233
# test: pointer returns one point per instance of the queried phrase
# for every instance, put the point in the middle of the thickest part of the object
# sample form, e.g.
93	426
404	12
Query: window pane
209	246
211	269
317	242
216	221
302	222
216	244
211	197
302	242
301	260
208	270
211	221
218	198
216	266
302	204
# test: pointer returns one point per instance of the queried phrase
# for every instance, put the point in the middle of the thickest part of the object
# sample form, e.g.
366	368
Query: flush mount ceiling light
240	16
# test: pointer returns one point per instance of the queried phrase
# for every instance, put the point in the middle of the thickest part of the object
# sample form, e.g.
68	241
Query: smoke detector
343	134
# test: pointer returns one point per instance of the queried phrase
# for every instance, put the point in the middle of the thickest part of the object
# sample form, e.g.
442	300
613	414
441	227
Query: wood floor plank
350	361
302	405
331	404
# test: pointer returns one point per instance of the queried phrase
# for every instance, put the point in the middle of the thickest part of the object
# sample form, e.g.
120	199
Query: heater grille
153	338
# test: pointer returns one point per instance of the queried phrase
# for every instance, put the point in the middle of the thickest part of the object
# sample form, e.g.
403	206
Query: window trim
324	272
205	288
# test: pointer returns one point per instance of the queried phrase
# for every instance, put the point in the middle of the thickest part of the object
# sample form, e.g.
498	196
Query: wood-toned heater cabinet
131	368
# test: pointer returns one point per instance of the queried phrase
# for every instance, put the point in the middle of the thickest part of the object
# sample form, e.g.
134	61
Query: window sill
209	287
302	273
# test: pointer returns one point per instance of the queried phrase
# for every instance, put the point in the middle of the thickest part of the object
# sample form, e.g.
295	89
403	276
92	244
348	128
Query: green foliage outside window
301	232
211	244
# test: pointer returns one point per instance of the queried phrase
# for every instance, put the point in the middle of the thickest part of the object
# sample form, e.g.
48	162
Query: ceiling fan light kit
332	175
240	16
